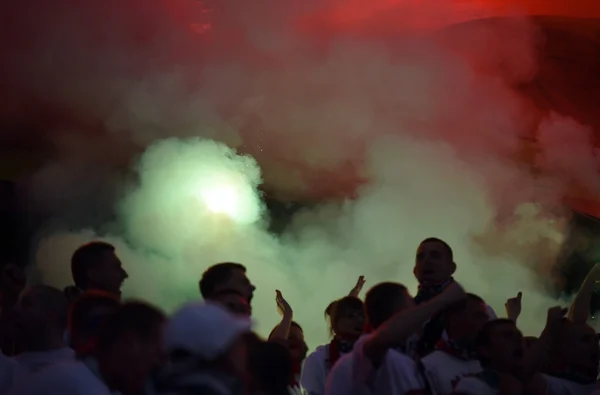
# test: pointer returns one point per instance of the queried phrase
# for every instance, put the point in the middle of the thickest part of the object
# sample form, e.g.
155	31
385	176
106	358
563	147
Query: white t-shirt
412	342
558	386
354	374
66	378
474	386
315	371
30	363
443	371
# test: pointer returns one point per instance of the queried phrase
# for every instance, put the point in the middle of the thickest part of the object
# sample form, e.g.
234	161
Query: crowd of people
85	340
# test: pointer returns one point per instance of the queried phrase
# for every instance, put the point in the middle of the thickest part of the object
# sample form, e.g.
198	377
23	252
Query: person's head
95	265
129	346
233	301
347	317
464	319
226	277
384	300
501	347
296	343
12	283
271	367
41	317
209	337
576	346
87	315
434	262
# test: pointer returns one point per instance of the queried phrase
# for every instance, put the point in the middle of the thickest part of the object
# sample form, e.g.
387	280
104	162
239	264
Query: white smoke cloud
425	137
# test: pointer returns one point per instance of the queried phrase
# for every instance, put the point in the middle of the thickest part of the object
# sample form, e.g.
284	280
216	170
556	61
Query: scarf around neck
433	329
337	348
428	292
457	349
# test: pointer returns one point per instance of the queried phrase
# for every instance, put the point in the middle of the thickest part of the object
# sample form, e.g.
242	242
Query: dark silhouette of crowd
86	340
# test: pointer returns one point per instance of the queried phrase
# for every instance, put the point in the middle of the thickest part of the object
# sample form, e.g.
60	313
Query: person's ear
453	269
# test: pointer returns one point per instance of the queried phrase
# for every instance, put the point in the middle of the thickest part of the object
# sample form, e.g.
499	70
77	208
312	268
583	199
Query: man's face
238	283
296	344
507	348
234	303
433	263
467	323
108	275
580	347
350	323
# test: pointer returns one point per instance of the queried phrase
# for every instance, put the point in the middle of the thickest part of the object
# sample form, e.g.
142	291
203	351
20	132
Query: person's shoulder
473	385
433	356
319	353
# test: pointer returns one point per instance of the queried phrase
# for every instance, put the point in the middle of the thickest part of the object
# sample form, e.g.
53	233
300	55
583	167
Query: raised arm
580	308
408	322
282	330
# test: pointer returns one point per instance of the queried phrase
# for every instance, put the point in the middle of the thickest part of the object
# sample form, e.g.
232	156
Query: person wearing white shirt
574	360
347	322
455	355
377	365
128	349
501	348
434	268
41	319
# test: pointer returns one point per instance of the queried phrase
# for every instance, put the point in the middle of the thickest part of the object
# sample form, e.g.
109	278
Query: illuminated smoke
434	139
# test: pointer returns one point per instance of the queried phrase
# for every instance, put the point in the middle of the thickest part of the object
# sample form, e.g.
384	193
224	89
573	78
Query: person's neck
46	342
345	338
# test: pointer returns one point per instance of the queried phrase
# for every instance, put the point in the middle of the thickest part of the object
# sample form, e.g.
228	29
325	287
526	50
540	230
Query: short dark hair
80	320
85	256
442	242
50	300
484	337
341	306
293	323
139	318
377	302
271	365
460	306
217	275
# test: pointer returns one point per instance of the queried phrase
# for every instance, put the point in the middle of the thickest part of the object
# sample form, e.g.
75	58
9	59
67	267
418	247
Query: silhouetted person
129	349
223	282
96	266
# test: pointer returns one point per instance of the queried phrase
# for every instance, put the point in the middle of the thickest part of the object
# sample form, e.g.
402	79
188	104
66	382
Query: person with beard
41	318
434	269
378	363
96	266
207	347
224	283
573	360
455	355
128	351
290	333
347	319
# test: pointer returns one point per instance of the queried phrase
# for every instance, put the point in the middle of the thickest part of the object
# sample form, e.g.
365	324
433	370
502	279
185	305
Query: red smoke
72	64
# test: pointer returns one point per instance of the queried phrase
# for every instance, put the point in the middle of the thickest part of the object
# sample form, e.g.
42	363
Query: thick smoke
426	135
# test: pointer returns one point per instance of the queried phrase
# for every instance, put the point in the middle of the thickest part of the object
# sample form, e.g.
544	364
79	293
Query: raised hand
358	287
283	306
513	307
